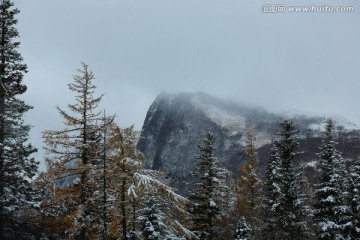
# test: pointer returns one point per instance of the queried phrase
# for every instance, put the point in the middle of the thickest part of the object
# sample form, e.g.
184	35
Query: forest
96	185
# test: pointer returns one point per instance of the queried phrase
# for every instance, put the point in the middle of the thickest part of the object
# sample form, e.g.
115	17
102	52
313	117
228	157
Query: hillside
176	123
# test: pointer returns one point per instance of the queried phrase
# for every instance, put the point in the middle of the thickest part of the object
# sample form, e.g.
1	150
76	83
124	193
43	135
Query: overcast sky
228	48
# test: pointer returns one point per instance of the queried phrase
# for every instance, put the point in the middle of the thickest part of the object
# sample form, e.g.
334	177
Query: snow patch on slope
234	123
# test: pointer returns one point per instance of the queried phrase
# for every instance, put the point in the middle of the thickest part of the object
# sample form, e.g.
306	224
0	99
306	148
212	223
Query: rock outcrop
176	123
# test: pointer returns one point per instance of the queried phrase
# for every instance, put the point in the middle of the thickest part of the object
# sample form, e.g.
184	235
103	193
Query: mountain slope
176	123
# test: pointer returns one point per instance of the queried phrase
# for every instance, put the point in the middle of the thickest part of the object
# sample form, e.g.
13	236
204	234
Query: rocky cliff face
176	123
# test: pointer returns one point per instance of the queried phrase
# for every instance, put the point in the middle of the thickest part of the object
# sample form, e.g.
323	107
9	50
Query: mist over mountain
176	123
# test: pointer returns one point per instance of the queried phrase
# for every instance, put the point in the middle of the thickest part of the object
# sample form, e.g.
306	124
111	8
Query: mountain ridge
176	123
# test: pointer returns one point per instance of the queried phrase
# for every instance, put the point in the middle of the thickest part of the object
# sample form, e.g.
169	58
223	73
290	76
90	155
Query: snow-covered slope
176	123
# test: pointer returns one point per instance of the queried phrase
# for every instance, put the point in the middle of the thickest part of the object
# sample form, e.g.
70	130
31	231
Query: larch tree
125	163
331	204
208	198
17	167
73	154
129	180
249	186
100	182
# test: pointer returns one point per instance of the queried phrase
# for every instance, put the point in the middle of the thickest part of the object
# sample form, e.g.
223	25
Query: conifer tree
207	200
129	180
293	206
273	195
331	209
73	154
125	163
99	175
289	210
243	231
17	168
249	186
355	198
151	219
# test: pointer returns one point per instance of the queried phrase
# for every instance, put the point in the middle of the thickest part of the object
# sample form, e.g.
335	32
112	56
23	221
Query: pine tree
243	231
151	219
73	156
273	195
17	168
293	207
249	186
289	210
355	198
332	212
207	200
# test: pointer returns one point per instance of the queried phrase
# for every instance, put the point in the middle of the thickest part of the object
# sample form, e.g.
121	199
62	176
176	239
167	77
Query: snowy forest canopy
96	185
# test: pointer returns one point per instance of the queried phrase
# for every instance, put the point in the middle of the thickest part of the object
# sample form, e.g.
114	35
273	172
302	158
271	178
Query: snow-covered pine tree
151	218
243	230
72	155
172	204
355	198
273	196
17	168
208	198
290	211
292	208
249	199
331	208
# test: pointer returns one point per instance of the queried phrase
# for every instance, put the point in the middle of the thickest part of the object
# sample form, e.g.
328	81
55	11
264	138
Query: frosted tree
151	219
17	168
355	198
289	209
208	199
249	186
273	195
129	180
331	208
126	161
99	175
243	230
72	156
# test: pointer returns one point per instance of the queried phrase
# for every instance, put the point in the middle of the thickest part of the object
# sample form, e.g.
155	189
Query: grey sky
228	48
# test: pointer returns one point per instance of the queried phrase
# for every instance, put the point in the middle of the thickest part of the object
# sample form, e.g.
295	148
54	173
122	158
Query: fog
308	62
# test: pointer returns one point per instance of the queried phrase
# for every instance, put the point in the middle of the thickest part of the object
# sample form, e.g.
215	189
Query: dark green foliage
151	219
243	231
274	195
355	198
285	217
17	168
331	209
208	199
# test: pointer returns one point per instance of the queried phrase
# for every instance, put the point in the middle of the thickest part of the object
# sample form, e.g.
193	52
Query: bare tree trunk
123	209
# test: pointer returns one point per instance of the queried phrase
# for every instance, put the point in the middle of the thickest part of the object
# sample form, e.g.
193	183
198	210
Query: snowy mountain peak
176	123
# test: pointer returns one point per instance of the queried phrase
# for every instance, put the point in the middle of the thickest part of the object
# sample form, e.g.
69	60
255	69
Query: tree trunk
123	209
